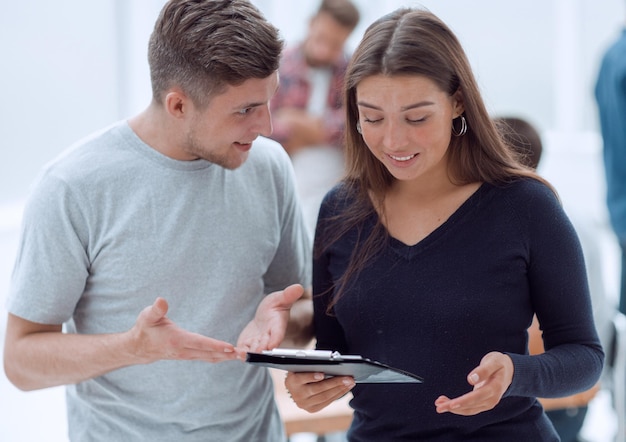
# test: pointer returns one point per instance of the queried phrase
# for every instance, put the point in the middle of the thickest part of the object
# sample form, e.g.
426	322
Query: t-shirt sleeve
51	266
292	261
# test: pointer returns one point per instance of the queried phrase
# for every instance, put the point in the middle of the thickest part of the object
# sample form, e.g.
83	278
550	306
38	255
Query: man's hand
267	330
41	355
156	337
490	381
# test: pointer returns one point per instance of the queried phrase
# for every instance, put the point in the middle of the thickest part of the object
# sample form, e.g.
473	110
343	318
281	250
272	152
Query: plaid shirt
295	89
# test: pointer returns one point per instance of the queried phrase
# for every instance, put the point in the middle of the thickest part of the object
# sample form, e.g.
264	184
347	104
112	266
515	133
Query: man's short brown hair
202	46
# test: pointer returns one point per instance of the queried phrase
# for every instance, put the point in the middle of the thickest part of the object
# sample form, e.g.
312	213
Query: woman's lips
402	158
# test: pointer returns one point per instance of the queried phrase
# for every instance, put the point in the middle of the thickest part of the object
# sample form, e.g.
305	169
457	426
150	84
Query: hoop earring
463	130
358	127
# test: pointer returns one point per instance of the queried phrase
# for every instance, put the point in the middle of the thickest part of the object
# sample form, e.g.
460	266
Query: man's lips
244	147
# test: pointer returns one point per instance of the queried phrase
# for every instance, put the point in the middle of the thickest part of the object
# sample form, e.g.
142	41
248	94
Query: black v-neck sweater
437	307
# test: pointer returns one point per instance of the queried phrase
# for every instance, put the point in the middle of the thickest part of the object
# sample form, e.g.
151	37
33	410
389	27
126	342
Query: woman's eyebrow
403	108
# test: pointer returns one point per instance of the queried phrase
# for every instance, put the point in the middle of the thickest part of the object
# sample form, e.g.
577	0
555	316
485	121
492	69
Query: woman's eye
418	120
370	120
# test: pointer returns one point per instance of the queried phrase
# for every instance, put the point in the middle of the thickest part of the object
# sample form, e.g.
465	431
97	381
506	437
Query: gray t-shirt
111	225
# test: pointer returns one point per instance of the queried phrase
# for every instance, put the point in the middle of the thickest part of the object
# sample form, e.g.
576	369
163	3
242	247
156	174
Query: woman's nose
394	137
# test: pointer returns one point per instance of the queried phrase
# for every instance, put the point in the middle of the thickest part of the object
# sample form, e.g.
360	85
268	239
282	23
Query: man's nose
264	121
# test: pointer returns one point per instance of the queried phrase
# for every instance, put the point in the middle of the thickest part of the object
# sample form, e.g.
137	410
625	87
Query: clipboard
332	363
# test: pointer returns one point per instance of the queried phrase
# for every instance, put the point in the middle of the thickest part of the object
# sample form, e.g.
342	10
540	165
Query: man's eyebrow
403	108
248	105
254	104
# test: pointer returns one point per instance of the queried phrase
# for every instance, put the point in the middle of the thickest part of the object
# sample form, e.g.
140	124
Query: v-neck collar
469	205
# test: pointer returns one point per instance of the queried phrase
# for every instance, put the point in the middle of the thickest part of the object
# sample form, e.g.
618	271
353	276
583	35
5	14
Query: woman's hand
311	392
490	381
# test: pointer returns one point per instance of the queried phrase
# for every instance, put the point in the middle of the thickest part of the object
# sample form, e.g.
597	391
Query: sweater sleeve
560	296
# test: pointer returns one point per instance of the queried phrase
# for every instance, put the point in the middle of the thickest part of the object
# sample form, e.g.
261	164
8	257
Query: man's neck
154	128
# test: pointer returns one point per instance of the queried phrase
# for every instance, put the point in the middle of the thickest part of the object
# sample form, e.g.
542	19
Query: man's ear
177	103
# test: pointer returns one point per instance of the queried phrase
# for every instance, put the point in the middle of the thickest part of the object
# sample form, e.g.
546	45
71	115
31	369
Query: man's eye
245	111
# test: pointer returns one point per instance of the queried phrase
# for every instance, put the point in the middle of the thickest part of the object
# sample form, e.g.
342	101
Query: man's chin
235	161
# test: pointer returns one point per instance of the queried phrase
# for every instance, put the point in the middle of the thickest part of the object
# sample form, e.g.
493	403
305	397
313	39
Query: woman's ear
458	103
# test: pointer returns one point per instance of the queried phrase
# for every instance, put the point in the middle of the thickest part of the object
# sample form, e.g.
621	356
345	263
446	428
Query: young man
138	269
307	110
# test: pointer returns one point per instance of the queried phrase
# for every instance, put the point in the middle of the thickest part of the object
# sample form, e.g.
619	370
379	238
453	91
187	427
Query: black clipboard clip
332	363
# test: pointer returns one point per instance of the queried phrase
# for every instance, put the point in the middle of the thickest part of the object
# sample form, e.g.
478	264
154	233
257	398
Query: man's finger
197	341
160	308
292	293
155	312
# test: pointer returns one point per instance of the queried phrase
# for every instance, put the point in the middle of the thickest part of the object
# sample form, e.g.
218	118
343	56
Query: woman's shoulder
527	190
529	198
341	196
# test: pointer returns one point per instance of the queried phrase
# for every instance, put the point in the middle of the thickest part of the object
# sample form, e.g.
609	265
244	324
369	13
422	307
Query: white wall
58	82
68	68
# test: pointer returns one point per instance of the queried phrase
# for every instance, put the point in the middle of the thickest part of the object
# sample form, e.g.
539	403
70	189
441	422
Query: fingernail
318	376
474	378
228	350
348	382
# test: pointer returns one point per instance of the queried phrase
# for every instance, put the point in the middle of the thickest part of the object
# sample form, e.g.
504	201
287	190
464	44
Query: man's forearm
40	356
52	358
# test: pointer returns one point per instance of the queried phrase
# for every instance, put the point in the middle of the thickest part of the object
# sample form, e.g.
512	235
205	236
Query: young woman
435	252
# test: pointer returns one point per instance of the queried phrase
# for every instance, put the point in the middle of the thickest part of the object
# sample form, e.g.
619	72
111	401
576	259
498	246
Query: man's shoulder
92	143
266	147
267	152
87	158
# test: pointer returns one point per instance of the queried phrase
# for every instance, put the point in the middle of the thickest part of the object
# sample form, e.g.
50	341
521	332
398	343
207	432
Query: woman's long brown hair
411	42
